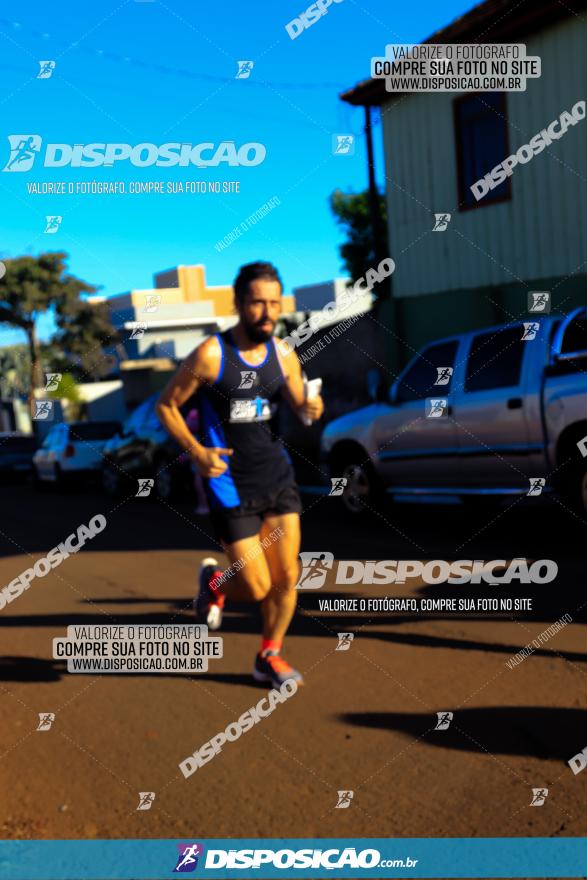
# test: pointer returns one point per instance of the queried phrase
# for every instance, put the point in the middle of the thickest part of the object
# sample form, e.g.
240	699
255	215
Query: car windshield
93	430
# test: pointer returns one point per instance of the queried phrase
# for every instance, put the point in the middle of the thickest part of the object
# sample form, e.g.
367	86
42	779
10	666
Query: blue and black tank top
239	411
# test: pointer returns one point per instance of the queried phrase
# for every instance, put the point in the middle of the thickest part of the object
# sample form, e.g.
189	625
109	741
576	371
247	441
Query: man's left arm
294	391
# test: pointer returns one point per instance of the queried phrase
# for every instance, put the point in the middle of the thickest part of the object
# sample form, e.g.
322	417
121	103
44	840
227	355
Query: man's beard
256	334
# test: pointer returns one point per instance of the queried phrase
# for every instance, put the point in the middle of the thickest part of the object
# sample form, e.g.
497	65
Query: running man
247	472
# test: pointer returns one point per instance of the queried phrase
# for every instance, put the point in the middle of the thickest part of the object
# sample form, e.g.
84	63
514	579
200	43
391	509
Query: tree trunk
36	377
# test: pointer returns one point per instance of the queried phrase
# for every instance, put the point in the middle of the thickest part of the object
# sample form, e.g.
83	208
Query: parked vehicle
71	450
143	449
514	410
16	455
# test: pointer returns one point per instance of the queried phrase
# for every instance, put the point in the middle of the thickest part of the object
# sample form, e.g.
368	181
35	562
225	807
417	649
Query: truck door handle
515	403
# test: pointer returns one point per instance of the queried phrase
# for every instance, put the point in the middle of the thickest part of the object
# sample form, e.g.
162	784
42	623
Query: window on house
481	144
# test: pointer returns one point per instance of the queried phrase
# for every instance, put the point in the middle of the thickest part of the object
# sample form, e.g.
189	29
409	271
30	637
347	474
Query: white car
71	450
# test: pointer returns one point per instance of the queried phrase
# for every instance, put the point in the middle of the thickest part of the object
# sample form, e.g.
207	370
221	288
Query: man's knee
257	584
287	576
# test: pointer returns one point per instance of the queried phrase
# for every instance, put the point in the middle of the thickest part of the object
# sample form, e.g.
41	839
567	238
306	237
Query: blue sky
163	71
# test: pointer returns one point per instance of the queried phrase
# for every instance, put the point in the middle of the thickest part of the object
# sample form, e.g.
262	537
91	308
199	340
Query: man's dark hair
252	272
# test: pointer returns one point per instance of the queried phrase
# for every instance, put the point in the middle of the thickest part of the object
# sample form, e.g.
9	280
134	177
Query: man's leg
281	553
250	580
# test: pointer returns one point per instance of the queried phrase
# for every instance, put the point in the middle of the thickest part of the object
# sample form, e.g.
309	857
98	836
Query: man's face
261	309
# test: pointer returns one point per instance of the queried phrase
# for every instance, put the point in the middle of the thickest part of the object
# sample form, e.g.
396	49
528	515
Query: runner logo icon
187	861
23	151
248	379
338	485
344	800
444	375
344	641
531	329
314	569
46	719
146	799
539	795
444	719
539	301
441	222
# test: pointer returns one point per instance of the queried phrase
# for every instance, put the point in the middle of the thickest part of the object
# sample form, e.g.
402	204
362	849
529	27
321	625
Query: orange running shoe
271	667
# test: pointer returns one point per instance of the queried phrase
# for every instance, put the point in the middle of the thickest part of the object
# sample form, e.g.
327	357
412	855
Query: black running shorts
235	523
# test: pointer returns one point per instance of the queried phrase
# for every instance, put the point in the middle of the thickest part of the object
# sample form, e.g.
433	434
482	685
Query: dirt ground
364	721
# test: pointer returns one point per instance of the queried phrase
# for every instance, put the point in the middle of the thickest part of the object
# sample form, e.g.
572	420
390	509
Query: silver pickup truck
500	411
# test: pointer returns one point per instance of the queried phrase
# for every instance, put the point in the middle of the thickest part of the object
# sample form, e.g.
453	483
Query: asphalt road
365	719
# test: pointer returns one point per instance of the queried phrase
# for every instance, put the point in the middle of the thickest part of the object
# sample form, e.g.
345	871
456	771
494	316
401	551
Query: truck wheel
363	492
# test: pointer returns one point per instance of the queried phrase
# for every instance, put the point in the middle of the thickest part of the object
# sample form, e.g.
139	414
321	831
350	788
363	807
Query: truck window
495	359
575	338
422	376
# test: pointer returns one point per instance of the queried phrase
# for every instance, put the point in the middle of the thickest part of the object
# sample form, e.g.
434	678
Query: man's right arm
201	367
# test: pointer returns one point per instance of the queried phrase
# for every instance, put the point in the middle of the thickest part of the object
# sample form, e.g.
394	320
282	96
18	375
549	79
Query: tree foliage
33	286
351	212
